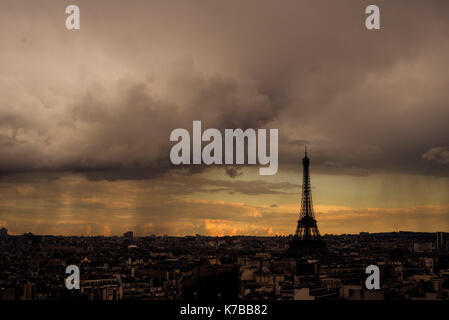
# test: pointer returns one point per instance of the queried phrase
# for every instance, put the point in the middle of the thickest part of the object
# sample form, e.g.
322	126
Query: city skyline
86	115
413	266
7	233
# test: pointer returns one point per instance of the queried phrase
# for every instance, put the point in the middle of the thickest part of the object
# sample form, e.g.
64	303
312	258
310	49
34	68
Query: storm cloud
103	100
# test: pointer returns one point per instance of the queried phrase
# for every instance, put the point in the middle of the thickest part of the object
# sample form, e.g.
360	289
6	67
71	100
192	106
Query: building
103	289
129	237
3	234
441	241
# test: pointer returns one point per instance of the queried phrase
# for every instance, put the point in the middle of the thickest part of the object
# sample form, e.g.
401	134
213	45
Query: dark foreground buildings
197	268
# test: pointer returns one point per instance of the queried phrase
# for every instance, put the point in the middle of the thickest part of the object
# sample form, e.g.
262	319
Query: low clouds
233	172
75	206
438	154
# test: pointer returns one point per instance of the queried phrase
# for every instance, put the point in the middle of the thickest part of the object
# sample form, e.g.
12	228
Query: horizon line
216	236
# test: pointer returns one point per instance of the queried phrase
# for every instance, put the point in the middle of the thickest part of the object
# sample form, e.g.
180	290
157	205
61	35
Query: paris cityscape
413	266
305	266
198	152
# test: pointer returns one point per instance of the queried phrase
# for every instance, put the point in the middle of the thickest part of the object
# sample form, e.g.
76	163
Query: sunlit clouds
212	204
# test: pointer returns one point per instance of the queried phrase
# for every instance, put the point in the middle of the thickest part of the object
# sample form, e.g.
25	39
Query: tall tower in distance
307	239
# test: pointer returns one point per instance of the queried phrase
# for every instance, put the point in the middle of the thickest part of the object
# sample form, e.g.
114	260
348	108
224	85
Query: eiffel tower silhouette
307	239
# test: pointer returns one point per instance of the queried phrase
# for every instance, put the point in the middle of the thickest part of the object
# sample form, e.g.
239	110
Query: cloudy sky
86	115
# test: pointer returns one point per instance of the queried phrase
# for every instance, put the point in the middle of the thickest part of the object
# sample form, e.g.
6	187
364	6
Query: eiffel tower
307	239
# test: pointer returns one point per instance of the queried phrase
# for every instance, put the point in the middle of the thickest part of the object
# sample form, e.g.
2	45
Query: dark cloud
187	185
438	154
103	100
233	171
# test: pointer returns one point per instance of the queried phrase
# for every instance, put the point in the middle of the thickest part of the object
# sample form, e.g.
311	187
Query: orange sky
214	204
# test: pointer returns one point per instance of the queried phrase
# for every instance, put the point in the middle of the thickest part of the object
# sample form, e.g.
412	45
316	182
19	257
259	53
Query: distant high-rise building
129	236
307	238
3	234
440	241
